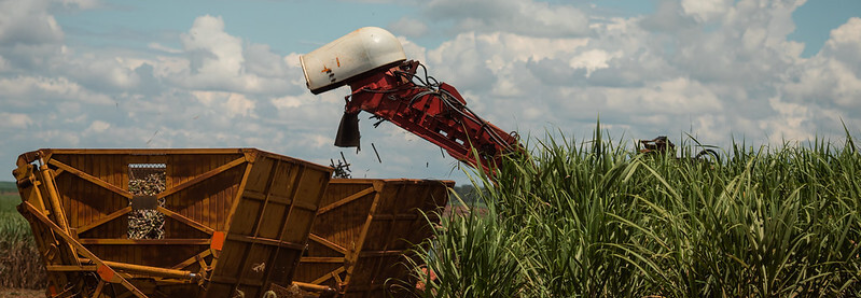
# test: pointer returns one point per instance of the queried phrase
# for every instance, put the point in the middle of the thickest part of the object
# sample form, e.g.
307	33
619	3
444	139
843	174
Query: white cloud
260	60
239	105
27	23
101	72
716	69
228	104
29	35
212	51
288	102
478	60
591	60
56	136
847	33
216	60
292	60
832	78
527	17
16	120
738	75
412	50
99	126
80	4
30	91
845	45
706	10
409	26
679	96
4	65
160	47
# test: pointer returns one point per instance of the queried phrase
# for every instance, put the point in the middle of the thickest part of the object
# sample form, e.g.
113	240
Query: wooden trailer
220	222
363	228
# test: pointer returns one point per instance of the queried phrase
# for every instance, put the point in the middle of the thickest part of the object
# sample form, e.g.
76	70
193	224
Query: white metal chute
358	52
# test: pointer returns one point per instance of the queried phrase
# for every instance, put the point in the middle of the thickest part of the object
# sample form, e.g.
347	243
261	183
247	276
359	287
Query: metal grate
145	182
142	170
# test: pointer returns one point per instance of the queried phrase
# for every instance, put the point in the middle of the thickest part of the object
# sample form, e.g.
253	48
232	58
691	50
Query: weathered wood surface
238	219
362	230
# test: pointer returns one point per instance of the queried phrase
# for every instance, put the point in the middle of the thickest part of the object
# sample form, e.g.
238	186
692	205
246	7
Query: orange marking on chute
105	273
217	241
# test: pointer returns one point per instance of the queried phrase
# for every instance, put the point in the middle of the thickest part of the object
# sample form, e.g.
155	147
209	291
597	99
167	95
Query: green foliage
8	202
20	263
468	195
7	187
596	220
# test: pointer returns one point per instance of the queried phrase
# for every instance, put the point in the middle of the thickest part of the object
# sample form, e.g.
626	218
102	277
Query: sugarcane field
430	149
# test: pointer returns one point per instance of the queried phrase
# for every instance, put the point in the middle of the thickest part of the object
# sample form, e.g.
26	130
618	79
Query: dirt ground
21	293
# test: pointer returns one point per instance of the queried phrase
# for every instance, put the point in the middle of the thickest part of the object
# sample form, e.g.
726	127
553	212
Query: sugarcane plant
599	220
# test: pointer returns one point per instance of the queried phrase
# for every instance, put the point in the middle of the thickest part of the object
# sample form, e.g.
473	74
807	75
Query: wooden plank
314	166
244	264
202	206
322	260
328	275
327	243
360	243
102	241
201	178
238	197
91	179
396	217
282	200
258	196
379	263
148	151
98	292
188	221
192	260
381	253
234	205
230	280
201	262
144	159
153	272
70	268
273	175
338	280
104	220
207	204
307	206
312	287
346	200
299	182
298	176
265	241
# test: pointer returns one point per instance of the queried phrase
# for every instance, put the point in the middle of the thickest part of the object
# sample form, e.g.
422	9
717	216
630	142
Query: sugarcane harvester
384	83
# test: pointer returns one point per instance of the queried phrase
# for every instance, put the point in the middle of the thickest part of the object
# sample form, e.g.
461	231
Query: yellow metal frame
64	252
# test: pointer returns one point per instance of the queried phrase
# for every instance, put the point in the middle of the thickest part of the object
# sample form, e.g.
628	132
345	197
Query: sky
226	74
